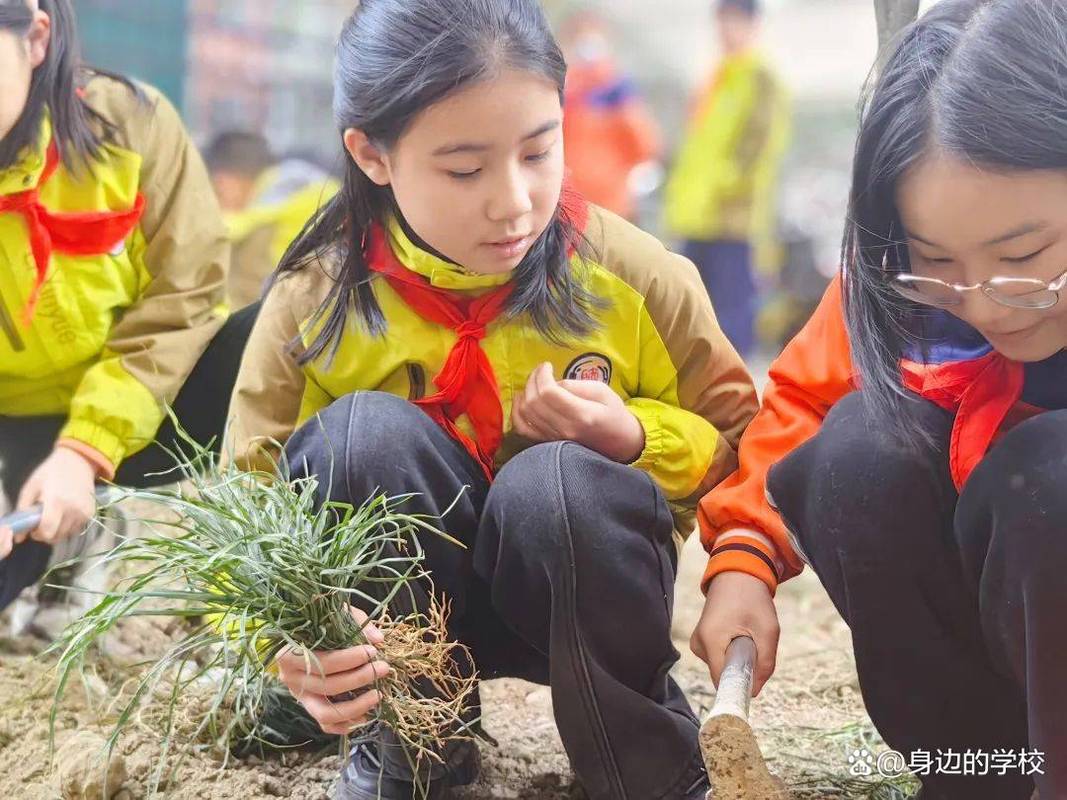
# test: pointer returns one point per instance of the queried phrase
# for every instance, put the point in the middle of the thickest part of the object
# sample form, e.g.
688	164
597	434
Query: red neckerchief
80	234
982	392
466	383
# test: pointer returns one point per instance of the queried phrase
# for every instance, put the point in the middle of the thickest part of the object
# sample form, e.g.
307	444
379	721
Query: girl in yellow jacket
454	318
112	271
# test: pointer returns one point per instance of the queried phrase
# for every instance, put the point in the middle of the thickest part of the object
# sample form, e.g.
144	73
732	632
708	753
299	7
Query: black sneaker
363	778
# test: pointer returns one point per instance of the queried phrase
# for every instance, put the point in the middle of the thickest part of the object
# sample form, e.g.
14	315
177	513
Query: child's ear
39	37
368	156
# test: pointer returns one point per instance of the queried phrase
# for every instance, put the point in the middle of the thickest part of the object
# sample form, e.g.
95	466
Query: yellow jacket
285	198
113	335
722	183
658	345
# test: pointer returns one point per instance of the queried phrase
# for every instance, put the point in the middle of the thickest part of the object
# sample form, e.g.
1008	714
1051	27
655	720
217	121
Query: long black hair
395	58
78	131
982	80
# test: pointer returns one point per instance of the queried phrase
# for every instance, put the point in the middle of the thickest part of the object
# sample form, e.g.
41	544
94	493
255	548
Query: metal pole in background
893	16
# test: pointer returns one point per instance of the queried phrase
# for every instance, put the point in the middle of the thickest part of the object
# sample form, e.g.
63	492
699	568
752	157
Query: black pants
201	408
567	579
725	267
956	602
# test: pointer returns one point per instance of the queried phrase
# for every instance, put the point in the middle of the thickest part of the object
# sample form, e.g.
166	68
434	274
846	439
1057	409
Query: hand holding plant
267	577
336	690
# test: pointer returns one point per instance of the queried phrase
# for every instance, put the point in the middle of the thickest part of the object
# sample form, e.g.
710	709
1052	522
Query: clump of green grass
838	785
255	565
819	783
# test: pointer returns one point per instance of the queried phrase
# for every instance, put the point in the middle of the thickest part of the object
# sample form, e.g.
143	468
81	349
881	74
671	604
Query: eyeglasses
1012	292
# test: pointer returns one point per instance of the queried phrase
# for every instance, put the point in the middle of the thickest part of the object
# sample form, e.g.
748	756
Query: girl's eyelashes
917	256
1024	259
536	158
544	155
933	260
941	260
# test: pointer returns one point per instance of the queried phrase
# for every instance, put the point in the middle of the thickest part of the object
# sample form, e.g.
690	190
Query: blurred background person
611	139
720	196
266	202
276	58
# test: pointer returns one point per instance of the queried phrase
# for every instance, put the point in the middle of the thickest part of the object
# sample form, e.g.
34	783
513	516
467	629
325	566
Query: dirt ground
808	720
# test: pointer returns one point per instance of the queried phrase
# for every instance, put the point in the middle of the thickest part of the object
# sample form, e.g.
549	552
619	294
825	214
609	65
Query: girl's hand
320	687
737	604
64	485
586	412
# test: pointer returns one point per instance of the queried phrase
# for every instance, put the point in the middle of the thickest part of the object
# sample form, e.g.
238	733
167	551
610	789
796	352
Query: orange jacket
607	131
960	373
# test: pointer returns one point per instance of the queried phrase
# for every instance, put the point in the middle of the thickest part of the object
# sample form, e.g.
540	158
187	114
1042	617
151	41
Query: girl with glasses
912	447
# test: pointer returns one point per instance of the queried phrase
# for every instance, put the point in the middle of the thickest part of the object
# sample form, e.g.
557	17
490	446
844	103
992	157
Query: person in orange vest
113	265
457	318
608	132
720	196
912	446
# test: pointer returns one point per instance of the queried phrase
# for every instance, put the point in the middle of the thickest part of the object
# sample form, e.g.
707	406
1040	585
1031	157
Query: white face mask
591	48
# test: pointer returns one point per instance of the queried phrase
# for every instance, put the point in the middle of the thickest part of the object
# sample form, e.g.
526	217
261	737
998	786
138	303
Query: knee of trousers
359	428
557	498
1019	494
861	487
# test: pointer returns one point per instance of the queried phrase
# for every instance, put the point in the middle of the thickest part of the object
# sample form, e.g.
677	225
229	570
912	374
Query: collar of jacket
442	274
26	173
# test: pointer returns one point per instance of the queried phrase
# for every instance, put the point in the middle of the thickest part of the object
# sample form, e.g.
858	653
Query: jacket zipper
416	382
11	330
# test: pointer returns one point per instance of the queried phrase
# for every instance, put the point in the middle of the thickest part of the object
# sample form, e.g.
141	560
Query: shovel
732	756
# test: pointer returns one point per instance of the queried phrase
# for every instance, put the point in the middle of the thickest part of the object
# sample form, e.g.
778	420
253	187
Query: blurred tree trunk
893	16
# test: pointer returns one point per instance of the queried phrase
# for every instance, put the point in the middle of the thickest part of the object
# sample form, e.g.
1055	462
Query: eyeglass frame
988	287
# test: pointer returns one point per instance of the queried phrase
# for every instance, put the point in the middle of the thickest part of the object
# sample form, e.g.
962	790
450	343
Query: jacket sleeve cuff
104	468
743	554
89	437
649	419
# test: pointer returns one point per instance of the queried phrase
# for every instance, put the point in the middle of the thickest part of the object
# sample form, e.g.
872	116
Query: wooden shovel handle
735	683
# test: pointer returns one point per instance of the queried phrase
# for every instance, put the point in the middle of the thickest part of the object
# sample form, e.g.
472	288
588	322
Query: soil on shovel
736	764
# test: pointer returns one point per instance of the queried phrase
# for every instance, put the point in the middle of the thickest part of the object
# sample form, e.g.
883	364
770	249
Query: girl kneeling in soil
915	431
112	268
460	323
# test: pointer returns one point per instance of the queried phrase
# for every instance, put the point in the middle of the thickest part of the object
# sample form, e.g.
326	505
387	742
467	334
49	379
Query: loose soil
807	720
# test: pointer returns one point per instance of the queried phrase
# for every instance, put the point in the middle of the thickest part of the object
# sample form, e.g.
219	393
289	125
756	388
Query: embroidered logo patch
590	367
